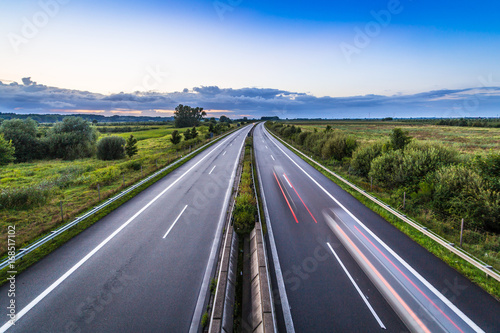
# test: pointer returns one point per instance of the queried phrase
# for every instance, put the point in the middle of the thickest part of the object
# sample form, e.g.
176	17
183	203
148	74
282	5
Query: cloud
252	102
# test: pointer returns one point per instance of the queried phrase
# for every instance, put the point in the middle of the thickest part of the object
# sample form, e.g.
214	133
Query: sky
295	59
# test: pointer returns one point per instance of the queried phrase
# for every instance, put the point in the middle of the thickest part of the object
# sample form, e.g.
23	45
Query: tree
72	138
7	151
399	138
22	134
111	148
186	116
131	146
176	137
187	135
194	133
224	119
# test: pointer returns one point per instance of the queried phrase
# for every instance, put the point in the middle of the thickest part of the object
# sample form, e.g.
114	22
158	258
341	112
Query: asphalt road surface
145	267
339	267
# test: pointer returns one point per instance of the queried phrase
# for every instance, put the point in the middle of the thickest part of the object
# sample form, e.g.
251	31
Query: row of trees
435	177
72	138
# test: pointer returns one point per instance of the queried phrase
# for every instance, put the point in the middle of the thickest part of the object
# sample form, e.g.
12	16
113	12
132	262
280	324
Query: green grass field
75	182
464	139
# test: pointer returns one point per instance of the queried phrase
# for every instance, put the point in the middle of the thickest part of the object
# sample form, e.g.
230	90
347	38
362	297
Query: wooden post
99	191
461	232
156	162
371	183
123	183
141	171
62	214
404	200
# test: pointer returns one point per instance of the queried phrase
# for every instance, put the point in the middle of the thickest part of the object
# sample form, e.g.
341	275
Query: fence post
371	183
156	162
141	171
123	183
404	199
461	232
62	214
99	191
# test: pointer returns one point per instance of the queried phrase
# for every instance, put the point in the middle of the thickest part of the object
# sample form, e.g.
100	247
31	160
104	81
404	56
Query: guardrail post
461	232
62	214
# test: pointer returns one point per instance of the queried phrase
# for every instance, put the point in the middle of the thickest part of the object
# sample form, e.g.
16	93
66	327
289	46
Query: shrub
362	158
7	151
421	158
338	146
459	193
399	138
387	169
131	146
301	138
176	137
72	138
111	148
22	133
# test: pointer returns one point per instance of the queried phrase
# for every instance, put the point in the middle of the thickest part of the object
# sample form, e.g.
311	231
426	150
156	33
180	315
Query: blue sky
329	50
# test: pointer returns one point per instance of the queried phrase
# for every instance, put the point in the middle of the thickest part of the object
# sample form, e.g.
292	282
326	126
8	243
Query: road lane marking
212	170
288	203
200	303
224	153
452	307
177	219
411	282
273	158
363	297
267	148
285	305
365	265
54	285
284	176
300	198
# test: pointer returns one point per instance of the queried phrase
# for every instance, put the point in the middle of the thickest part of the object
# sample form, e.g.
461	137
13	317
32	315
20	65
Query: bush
301	138
72	138
362	158
459	193
111	148
338	146
421	158
131	146
387	169
176	137
23	134
7	151
399	138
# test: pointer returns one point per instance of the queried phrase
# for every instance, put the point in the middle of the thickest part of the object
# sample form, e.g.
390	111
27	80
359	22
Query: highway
339	267
146	266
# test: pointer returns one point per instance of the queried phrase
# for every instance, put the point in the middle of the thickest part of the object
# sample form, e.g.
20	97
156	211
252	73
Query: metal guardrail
54	233
488	269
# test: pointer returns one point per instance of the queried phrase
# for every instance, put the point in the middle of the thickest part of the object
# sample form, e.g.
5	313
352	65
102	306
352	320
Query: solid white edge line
212	170
452	306
195	322
357	288
285	306
54	285
177	219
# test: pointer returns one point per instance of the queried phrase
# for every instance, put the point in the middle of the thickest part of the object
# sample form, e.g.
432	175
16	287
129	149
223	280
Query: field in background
46	183
464	139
